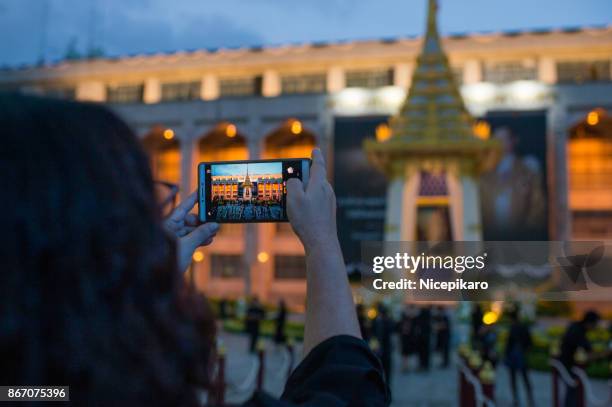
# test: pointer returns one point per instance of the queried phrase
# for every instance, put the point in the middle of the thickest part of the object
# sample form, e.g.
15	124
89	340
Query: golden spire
433	122
432	20
434	108
247	179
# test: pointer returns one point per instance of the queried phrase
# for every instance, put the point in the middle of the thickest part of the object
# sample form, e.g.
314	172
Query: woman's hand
330	310
189	231
312	210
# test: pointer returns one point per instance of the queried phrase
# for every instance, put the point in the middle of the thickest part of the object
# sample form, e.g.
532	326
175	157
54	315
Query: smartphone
247	191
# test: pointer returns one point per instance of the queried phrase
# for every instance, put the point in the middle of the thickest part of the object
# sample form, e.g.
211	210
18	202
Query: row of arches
225	141
589	163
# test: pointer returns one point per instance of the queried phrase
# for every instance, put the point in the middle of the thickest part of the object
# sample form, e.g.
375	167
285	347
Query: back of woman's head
90	295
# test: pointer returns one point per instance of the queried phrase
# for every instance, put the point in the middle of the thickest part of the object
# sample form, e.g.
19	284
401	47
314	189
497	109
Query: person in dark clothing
279	324
443	333
382	328
362	318
476	323
222	309
575	338
93	292
340	372
406	330
255	314
517	346
487	341
423	337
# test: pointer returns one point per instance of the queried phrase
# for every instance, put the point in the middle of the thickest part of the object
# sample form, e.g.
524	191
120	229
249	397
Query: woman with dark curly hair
91	289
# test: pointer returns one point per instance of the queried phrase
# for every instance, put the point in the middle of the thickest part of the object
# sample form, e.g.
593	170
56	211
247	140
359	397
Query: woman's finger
317	170
192	220
200	235
184	207
184	231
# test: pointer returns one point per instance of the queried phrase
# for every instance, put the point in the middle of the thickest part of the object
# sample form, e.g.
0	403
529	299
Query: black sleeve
340	371
527	341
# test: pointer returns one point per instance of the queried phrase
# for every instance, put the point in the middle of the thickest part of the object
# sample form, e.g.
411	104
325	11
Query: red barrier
487	380
580	359
462	387
555	351
555	388
474	362
570	381
291	357
220	385
464	351
262	367
476	381
580	395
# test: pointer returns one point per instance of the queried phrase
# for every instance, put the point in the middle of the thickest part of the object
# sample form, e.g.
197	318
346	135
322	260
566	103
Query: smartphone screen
247	191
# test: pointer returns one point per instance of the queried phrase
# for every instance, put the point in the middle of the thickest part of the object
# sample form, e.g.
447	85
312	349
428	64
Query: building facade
264	187
269	102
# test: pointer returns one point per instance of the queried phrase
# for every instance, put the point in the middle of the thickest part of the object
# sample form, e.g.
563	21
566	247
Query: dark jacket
575	337
340	371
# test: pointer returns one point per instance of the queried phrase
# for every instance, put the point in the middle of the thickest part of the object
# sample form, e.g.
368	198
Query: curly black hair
90	294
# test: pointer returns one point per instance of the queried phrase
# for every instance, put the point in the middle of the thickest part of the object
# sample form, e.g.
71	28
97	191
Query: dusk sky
121	27
254	169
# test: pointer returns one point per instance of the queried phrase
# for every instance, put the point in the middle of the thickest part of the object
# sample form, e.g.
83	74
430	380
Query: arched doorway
589	162
161	145
223	143
290	140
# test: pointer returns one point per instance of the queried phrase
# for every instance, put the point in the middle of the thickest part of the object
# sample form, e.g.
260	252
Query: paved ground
436	388
241	367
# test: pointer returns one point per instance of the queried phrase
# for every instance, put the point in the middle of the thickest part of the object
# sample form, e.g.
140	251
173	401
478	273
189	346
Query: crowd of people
241	210
519	343
424	330
253	315
420	331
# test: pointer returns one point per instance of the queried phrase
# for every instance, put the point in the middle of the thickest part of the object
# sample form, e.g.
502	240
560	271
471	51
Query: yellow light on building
168	134
490	318
383	132
263	257
198	256
372	313
593	118
230	130
482	130
296	127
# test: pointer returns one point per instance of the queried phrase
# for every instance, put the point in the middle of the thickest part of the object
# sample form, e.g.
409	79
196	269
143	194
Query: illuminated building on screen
263	187
225	187
543	95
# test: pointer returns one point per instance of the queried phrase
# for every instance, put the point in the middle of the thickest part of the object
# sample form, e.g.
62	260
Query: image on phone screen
247	191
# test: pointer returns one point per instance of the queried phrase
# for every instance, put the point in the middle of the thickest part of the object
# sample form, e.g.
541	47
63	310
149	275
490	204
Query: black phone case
202	216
